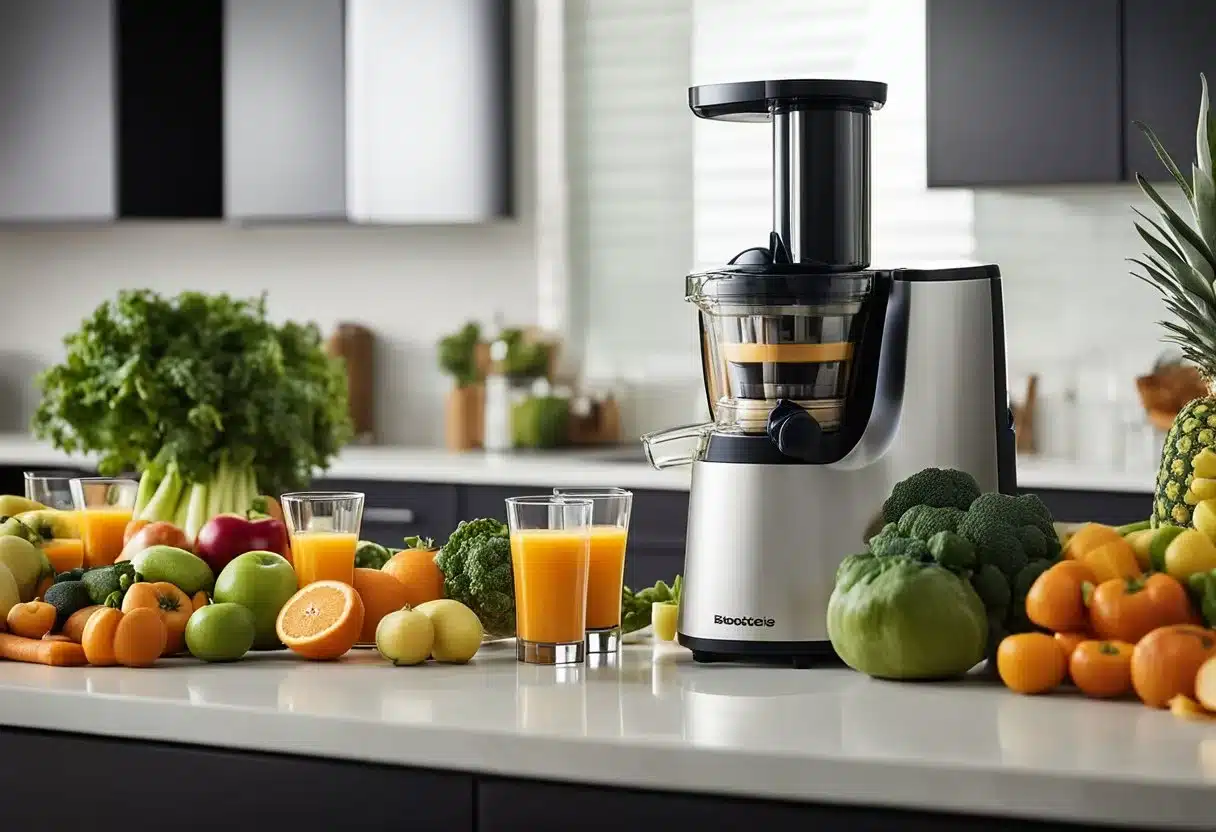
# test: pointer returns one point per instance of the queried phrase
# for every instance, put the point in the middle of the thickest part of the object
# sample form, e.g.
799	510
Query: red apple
160	533
226	536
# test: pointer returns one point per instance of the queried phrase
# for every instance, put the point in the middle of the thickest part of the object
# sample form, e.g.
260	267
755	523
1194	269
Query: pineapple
1181	265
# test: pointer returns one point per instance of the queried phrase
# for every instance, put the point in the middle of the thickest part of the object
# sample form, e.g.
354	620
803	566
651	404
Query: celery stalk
217	494
163	504
183	508
251	488
147	487
196	510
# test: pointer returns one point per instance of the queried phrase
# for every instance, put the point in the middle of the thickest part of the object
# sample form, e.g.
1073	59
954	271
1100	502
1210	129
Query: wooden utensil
356	346
1023	418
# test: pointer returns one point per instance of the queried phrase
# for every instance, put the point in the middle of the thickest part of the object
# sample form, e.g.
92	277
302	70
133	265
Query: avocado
105	580
67	597
71	575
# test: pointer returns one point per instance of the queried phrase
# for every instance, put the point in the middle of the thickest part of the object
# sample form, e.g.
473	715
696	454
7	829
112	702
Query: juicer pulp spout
677	446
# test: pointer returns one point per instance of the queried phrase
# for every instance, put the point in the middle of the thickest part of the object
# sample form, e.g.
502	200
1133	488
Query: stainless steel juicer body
829	382
764	540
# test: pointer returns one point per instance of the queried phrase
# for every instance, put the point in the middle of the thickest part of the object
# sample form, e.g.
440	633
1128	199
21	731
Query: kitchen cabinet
370	111
284	109
57	115
1166	44
1023	92
428	110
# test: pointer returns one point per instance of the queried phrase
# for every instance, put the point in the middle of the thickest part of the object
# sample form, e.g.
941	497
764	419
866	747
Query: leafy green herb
458	354
636	607
203	393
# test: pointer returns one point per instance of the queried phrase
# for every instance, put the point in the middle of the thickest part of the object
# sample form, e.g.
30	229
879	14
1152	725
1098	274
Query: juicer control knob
794	431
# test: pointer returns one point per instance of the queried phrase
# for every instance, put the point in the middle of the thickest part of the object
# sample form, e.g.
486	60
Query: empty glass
610	509
51	488
105	506
324	528
550	553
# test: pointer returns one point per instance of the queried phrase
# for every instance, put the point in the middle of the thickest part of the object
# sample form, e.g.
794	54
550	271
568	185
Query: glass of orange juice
51	488
550	559
104	506
324	530
610	509
65	549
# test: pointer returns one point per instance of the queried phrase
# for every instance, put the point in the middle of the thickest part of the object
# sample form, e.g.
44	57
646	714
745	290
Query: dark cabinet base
130	785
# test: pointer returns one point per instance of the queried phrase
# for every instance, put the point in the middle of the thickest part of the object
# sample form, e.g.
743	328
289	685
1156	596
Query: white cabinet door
57	111
284	109
427	110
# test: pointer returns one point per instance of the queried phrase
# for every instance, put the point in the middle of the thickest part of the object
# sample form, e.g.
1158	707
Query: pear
11	504
26	563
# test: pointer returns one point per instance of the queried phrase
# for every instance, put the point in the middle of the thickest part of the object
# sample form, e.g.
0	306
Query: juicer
828	382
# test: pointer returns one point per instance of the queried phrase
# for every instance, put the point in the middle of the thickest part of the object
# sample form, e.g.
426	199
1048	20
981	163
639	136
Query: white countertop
653	719
620	467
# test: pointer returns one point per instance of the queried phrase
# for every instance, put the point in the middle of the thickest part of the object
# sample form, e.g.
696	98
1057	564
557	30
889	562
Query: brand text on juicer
745	622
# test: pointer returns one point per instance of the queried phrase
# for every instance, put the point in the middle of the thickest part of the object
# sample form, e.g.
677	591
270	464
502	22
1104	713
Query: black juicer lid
821	165
755	100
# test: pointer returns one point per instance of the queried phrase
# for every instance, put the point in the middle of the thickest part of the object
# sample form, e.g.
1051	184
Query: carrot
39	651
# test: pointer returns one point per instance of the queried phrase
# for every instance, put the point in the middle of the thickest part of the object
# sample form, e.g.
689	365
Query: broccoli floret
936	487
1003	530
476	567
907	520
992	587
933	520
895	545
951	550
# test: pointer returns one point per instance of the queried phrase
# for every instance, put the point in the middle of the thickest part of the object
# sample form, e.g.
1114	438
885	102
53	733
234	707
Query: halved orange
321	621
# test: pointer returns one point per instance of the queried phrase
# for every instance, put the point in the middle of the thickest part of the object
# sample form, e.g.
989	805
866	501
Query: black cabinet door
646	565
1166	44
1023	92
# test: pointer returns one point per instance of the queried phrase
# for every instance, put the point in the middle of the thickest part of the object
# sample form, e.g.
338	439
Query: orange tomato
1069	641
170	603
1128	609
1102	668
1055	600
1165	662
1031	663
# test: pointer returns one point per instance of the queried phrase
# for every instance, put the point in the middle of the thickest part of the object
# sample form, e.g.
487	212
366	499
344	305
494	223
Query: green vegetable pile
476	567
636	607
203	394
906	608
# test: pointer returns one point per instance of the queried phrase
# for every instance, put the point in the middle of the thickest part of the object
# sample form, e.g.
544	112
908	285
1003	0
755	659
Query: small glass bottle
497	422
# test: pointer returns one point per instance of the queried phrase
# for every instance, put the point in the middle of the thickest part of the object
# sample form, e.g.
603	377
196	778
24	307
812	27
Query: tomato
1069	641
1055	600
1031	662
1165	662
1102	668
1127	609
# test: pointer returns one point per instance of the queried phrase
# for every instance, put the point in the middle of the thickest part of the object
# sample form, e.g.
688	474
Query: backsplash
409	285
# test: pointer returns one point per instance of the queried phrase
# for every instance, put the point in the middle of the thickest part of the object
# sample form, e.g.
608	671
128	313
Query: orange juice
64	553
606	577
550	569
102	529
324	556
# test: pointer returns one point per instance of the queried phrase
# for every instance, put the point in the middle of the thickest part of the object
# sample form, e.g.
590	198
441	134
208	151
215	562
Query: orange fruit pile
416	569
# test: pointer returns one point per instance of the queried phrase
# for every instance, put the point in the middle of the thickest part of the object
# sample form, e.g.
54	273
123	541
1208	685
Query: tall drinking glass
104	506
610	509
550	553
63	548
324	529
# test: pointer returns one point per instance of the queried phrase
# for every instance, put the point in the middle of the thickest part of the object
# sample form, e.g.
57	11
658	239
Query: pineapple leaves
1164	156
1203	260
1204	206
1205	132
1184	276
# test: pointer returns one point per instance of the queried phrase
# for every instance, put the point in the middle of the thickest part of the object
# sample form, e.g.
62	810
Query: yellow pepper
1112	559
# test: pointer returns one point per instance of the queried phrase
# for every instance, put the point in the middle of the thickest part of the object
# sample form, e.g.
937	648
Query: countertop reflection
650	717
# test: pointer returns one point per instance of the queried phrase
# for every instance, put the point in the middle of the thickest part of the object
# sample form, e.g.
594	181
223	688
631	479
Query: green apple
184	570
262	582
1163	536
220	632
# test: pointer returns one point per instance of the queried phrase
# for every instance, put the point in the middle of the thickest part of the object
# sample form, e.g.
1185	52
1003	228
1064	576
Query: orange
1031	662
416	569
381	594
321	621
